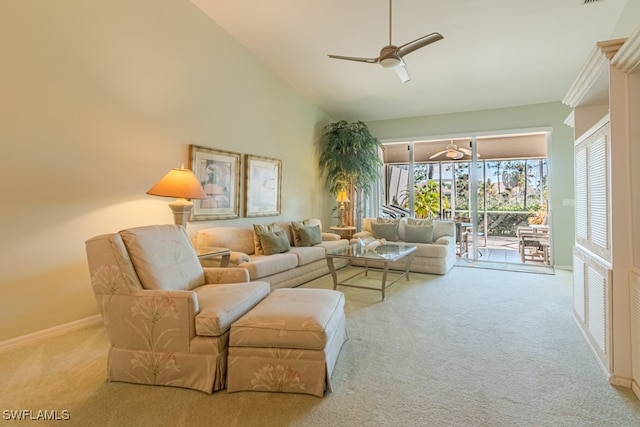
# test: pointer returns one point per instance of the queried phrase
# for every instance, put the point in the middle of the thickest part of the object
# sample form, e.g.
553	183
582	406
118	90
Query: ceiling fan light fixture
452	154
390	62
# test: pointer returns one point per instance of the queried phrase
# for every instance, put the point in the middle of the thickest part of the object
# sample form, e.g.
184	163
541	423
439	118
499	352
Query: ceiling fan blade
439	153
353	58
418	43
401	71
468	152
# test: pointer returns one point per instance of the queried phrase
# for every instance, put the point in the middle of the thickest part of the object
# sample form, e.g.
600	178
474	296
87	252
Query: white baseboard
50	332
636	389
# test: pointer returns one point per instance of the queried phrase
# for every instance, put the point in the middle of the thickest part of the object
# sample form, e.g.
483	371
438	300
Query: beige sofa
293	266
436	242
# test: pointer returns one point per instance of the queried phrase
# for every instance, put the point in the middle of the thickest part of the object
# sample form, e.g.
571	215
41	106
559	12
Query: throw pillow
385	230
383	220
275	242
306	235
261	229
413	221
418	233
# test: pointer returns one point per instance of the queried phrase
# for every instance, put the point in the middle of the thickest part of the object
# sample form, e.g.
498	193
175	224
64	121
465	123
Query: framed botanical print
219	173
263	176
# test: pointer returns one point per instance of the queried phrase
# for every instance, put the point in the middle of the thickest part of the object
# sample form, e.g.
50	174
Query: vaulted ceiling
495	53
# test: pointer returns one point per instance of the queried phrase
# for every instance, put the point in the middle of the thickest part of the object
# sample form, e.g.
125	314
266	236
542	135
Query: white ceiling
496	53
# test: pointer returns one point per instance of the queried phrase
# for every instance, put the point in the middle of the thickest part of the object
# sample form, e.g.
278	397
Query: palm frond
349	156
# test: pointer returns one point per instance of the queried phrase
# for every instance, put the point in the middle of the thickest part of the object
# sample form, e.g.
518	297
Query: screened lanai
495	200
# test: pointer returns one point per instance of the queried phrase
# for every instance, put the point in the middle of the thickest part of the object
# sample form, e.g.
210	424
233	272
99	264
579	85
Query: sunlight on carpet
505	266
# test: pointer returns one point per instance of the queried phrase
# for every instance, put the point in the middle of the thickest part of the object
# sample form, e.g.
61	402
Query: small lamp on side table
182	184
342	199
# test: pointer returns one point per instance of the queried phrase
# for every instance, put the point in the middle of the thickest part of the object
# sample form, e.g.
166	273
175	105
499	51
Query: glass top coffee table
383	254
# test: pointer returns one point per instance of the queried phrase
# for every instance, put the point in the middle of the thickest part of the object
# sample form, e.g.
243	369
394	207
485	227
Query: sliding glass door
490	186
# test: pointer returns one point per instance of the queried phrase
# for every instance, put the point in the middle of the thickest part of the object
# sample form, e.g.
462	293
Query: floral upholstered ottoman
288	343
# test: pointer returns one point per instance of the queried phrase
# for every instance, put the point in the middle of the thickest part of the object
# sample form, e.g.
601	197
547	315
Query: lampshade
180	183
342	197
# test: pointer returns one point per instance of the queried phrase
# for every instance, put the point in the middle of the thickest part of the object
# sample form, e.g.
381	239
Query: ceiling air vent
590	1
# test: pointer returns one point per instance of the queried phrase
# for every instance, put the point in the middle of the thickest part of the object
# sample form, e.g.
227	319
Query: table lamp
182	184
342	199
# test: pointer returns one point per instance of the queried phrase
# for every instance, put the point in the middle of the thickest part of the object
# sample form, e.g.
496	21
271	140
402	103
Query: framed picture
219	173
263	178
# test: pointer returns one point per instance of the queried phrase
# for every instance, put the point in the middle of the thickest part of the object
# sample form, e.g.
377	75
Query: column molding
627	58
597	62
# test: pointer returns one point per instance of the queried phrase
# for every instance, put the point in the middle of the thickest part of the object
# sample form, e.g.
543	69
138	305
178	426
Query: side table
343	232
223	253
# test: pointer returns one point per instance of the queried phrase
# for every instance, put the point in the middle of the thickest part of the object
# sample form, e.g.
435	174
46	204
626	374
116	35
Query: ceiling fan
452	151
391	56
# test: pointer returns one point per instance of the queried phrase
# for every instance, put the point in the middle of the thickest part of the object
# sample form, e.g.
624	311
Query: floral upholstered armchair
167	318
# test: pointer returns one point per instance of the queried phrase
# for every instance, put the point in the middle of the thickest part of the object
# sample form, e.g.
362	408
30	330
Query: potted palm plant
350	160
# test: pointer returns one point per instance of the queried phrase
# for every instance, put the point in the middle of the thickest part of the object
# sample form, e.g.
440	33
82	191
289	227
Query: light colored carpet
473	348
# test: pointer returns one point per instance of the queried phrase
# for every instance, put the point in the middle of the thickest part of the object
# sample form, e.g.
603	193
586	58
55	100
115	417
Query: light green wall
99	99
549	117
